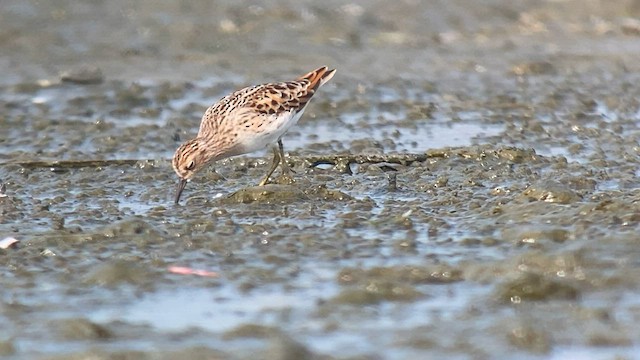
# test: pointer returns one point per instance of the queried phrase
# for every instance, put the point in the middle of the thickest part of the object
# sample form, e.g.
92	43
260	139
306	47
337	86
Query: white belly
256	138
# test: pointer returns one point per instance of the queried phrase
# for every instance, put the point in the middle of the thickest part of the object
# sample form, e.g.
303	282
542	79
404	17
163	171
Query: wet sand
466	186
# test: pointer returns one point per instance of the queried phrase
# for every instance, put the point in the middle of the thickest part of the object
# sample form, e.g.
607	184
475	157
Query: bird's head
187	161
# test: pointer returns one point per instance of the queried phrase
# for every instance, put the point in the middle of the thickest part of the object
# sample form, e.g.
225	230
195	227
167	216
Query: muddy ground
466	187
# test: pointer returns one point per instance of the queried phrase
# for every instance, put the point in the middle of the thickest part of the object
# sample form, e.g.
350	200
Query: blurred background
514	234
366	40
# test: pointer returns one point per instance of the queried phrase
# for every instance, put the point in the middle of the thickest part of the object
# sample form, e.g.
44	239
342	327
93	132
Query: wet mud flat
467	206
369	253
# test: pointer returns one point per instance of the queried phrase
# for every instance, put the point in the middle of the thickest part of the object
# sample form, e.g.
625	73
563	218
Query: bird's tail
318	77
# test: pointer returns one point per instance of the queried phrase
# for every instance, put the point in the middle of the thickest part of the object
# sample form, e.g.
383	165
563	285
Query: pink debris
8	242
183	270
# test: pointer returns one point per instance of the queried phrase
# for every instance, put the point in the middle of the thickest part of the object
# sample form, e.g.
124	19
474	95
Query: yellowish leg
274	165
286	170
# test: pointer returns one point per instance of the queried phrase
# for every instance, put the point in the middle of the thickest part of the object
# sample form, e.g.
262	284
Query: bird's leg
286	170
274	165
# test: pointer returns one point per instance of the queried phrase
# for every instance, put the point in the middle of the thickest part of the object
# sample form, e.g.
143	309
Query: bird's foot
286	178
264	181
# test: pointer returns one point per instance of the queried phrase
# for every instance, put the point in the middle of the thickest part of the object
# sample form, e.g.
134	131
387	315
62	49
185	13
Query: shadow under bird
248	120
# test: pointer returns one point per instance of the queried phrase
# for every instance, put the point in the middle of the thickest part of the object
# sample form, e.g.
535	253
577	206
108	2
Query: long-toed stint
247	120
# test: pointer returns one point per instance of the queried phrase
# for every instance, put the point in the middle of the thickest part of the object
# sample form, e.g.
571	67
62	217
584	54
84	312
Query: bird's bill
181	184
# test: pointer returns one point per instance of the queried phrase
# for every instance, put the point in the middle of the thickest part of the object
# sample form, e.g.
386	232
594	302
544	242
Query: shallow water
466	187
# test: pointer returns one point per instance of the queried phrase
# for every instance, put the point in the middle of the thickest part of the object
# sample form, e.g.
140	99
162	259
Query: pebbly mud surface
466	187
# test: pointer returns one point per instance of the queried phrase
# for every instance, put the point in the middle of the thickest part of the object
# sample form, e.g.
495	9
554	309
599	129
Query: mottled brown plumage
247	120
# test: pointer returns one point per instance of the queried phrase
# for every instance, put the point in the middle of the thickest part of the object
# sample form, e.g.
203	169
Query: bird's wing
266	99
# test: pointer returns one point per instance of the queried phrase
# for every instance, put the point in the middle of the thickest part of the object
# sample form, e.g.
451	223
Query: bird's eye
191	165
